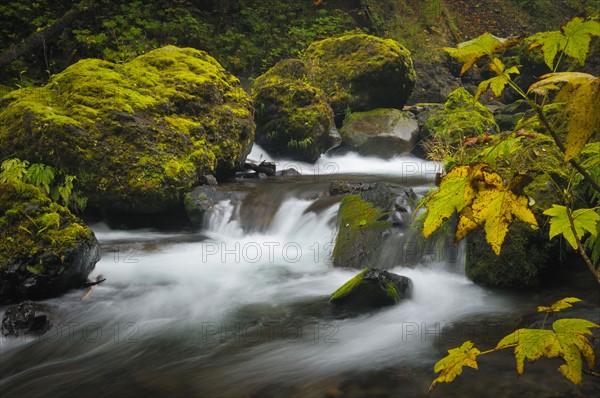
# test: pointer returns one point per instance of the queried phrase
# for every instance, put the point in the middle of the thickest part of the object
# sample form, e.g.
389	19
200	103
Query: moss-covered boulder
361	229
361	72
136	135
372	288
526	259
44	248
293	116
382	132
460	118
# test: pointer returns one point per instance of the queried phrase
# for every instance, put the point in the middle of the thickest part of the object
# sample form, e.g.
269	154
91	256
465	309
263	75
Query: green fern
13	170
40	175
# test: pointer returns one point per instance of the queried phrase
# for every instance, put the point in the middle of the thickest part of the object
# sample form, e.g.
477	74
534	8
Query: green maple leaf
501	150
583	220
559	305
567	340
578	33
498	83
451	365
573	39
470	51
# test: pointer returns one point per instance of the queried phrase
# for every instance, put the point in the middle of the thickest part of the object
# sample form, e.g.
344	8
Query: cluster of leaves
568	340
482	197
245	39
54	183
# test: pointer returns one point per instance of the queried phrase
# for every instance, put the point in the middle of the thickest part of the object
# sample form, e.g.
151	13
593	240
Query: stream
240	309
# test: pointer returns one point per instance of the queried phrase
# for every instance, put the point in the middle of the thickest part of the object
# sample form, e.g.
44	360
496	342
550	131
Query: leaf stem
587	260
594	184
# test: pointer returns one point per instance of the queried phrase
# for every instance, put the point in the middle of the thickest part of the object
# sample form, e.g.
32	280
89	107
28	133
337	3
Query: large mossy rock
461	117
526	258
372	288
361	72
136	135
362	226
381	132
44	248
293	116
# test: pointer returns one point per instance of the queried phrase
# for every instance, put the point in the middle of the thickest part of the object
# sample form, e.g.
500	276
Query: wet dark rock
346	187
44	249
24	318
380	132
204	198
366	221
373	288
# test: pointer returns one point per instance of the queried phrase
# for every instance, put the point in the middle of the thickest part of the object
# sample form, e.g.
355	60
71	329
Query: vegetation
492	198
481	195
568	340
135	135
51	181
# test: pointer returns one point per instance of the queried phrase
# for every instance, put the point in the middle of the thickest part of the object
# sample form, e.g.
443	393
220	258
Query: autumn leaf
567	340
480	198
453	194
494	206
583	220
559	305
573	39
451	365
498	83
581	92
470	51
551	81
583	110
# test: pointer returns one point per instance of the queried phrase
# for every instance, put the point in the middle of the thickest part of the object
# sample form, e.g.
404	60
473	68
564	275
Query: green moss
361	72
347	287
32	225
358	221
136	135
392	292
461	117
293	117
525	258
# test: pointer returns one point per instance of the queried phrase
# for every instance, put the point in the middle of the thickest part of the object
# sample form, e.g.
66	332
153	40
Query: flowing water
239	309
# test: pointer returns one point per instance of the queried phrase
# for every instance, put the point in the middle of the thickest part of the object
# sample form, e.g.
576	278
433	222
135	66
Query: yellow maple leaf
494	206
451	365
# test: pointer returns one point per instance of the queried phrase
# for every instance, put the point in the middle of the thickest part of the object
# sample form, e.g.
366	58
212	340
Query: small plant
54	183
568	340
492	198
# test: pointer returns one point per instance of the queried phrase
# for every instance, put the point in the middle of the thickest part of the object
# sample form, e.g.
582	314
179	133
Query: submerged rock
525	259
24	318
366	221
381	132
136	135
44	249
372	288
203	199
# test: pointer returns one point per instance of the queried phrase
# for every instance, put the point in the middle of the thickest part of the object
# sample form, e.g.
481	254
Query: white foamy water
240	310
406	166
